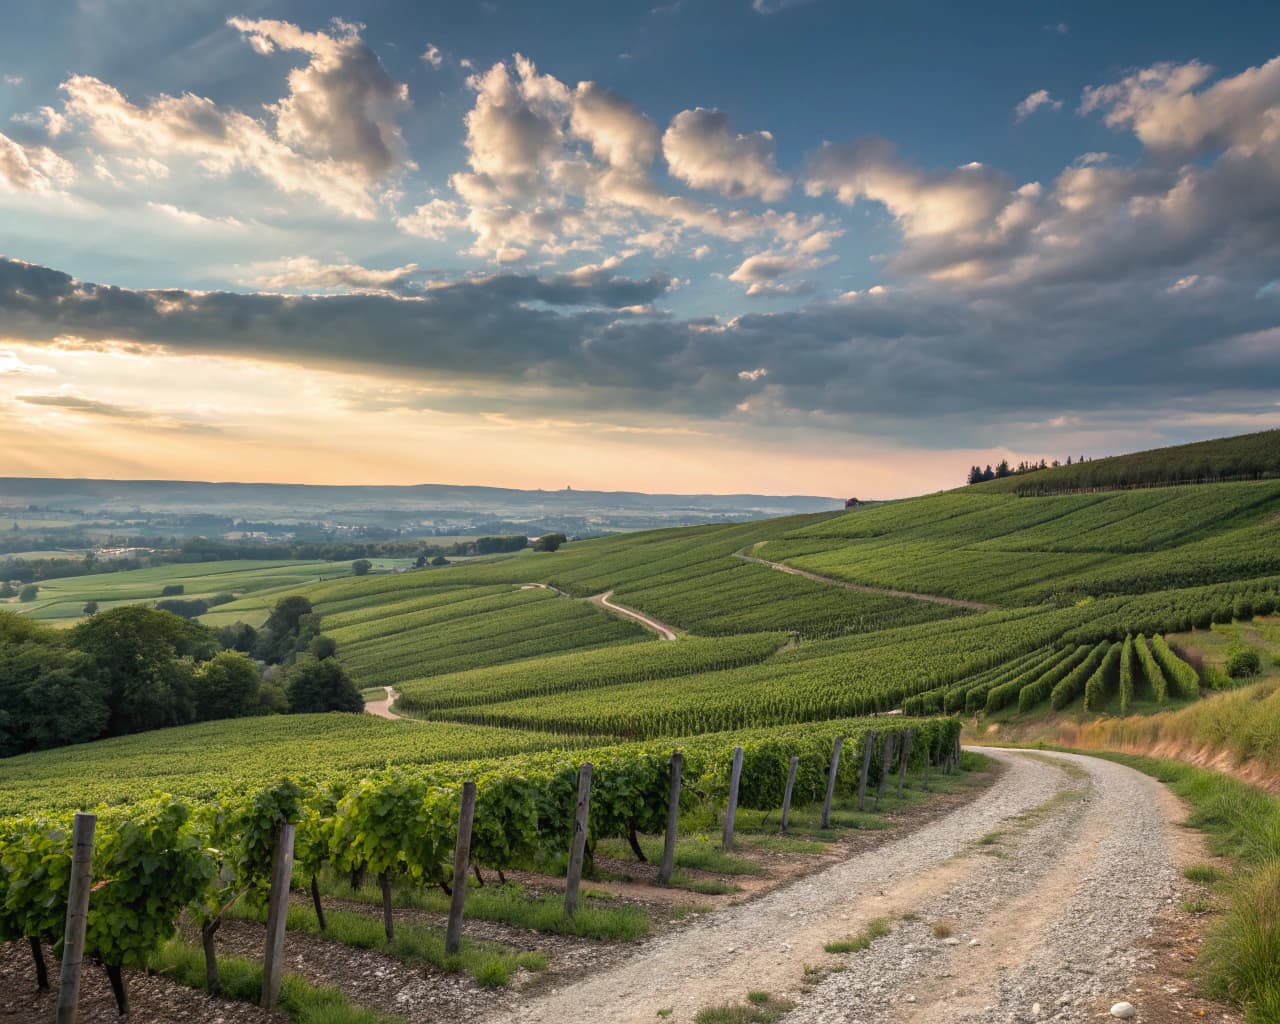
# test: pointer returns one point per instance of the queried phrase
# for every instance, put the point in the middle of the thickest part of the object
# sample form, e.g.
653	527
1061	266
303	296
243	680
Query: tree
316	686
988	473
239	636
323	647
361	566
549	542
975	475
173	590
227	686
420	562
28	593
288	629
439	560
49	694
91	608
146	661
1003	470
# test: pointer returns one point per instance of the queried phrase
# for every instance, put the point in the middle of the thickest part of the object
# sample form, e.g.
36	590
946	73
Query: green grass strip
241	980
507	904
490	964
1241	955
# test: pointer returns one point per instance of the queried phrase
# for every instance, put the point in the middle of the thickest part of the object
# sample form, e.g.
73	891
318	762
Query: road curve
661	628
1086	856
954	602
382	708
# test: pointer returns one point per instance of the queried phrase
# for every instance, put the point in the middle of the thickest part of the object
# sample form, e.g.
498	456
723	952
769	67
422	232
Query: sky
768	246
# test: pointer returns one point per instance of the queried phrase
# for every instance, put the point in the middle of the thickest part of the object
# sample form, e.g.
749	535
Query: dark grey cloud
923	364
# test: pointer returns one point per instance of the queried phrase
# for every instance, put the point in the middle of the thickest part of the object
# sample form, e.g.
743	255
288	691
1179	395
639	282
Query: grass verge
490	964
508	904
877	928
241	980
1241	957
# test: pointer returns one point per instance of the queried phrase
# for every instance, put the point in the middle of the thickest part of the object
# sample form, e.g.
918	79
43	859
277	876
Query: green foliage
1151	670
1127	671
1103	679
227	686
145	659
148	864
1243	662
361	567
28	593
550	542
1183	681
316	686
1073	684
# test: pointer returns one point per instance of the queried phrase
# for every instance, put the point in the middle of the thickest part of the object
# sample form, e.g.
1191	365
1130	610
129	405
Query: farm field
511	672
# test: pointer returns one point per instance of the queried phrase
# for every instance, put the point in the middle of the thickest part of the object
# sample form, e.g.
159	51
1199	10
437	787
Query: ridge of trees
132	669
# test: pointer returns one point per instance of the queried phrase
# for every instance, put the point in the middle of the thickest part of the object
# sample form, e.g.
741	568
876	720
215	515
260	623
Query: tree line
132	669
978	475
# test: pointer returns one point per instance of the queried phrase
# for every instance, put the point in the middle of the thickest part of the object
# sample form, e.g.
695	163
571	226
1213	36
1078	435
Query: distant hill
308	499
1245	457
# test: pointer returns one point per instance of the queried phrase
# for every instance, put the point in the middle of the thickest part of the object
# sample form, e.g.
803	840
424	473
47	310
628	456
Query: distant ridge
187	495
1243	457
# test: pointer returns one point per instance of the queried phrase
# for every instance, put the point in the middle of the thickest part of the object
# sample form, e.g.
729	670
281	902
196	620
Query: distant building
852	503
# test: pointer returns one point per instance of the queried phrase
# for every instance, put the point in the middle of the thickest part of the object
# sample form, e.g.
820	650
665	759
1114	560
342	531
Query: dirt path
382	708
1085	857
661	628
955	602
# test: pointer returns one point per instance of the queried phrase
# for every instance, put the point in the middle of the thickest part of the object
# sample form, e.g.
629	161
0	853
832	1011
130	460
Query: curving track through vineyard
1050	879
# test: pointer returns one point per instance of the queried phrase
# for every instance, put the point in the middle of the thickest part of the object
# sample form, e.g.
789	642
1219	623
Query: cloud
192	219
334	137
88	406
566	343
432	219
774	6
703	151
1164	110
617	129
306	273
135	416
432	55
553	169
1039	98
10	78
53	123
12	365
32	168
343	105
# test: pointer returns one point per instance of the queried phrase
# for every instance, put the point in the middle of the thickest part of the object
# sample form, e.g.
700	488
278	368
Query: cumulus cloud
1164	110
32	168
343	105
53	123
334	135
617	129
1039	98
703	150
553	169
432	55
432	219
306	273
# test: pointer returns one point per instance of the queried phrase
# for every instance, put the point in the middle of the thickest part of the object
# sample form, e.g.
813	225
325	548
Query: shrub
173	590
28	593
1243	610
1243	662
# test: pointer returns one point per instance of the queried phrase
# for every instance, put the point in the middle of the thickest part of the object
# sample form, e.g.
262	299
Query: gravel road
1046	881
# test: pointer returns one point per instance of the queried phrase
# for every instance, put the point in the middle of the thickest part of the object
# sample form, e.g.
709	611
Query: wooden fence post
578	846
786	793
831	782
673	821
886	759
77	917
868	741
277	913
957	751
904	757
735	777
461	864
928	756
